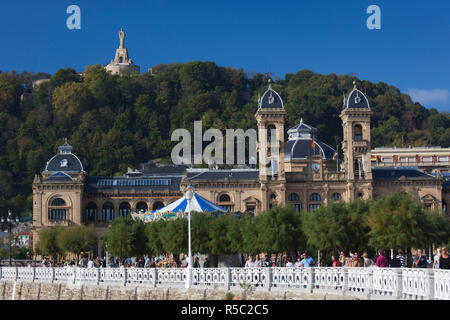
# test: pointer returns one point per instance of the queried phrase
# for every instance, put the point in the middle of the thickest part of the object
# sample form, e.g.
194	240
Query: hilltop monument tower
122	64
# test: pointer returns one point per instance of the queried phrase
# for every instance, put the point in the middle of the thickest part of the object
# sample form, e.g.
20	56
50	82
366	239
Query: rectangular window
427	159
388	160
314	206
443	159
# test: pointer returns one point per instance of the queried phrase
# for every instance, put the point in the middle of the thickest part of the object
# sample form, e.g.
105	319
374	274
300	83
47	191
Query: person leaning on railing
444	259
382	260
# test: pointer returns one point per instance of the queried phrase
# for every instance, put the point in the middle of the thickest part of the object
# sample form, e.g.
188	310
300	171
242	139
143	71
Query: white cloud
425	96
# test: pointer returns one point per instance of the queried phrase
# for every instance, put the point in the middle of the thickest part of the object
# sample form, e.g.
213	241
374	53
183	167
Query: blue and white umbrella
198	204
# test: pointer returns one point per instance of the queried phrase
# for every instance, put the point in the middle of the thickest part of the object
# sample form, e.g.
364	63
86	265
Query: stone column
429	283
268	275
397	295
227	278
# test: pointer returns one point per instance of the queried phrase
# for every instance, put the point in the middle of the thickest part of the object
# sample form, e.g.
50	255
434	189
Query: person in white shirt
258	262
249	263
90	263
289	263
298	263
436	259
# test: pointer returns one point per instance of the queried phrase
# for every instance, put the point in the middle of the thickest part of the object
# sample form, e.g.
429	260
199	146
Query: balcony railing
363	283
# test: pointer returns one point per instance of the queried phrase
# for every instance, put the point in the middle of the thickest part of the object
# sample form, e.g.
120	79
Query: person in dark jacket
395	262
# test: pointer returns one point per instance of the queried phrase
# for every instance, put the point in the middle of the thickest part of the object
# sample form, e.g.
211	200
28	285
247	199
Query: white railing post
345	281
429	281
310	281
398	293
369	284
74	275
17	273
124	275
268	276
33	272
154	275
227	278
98	276
53	274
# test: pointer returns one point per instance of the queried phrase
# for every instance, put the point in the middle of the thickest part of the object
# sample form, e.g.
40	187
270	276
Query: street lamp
10	222
189	195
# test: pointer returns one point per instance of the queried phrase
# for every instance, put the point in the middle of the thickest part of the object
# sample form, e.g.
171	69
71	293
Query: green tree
77	239
398	221
126	238
48	242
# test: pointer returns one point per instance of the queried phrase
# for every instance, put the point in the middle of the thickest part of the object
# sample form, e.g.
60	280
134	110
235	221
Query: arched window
158	205
58	202
314	197
91	212
360	195
271	130
294	197
124	209
225	202
224	198
141	207
337	196
108	211
273	196
357	133
57	210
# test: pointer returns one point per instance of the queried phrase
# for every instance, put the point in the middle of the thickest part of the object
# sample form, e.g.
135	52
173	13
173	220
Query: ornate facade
305	173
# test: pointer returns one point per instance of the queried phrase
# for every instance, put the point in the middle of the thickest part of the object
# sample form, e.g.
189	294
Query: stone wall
63	291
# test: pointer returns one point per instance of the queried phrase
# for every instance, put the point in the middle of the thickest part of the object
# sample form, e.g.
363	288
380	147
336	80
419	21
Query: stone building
305	174
122	63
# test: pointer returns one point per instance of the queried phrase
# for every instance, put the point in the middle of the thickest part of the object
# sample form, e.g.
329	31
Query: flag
312	142
335	155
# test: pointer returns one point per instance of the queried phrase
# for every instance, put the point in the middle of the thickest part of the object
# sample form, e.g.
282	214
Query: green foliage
279	230
118	122
126	238
338	226
398	221
77	239
48	244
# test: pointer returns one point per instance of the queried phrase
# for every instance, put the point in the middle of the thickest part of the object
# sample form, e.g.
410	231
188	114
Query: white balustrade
442	284
8	273
254	277
358	280
64	274
112	275
43	274
140	275
171	276
384	281
329	279
209	277
370	283
289	277
25	274
87	275
415	283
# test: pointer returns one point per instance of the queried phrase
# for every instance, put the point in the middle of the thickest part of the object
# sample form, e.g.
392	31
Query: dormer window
64	163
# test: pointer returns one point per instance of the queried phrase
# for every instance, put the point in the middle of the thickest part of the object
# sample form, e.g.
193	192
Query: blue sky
411	51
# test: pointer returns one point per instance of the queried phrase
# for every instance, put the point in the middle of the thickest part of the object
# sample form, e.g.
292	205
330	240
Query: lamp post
189	195
10	222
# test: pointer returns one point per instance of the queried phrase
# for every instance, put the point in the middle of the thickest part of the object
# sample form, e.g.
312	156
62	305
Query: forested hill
115	122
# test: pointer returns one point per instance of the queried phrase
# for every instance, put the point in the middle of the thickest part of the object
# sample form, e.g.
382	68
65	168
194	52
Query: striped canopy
198	204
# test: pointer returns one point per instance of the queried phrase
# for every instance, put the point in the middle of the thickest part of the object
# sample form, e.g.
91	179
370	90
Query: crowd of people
354	259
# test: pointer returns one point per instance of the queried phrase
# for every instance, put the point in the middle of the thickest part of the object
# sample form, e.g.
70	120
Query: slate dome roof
65	161
299	145
356	99
271	99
